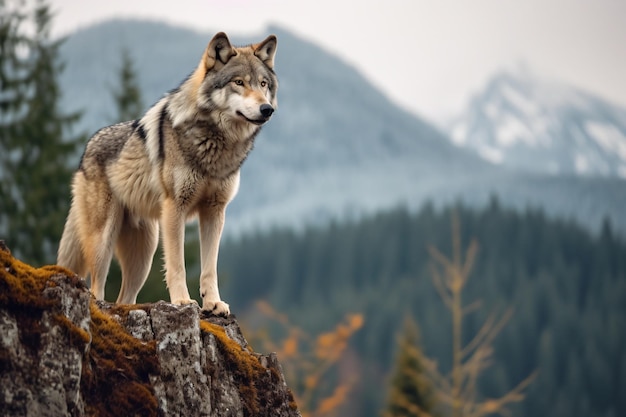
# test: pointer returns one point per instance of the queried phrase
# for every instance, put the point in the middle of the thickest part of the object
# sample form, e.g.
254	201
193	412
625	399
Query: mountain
335	148
335	144
528	123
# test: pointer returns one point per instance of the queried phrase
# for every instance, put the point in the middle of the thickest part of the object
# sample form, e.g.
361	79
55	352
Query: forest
566	286
350	284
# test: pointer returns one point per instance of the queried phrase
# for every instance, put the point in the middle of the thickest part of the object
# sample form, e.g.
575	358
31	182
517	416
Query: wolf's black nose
266	110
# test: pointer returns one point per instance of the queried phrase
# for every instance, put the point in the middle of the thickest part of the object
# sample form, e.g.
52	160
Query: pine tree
12	82
12	98
128	95
411	392
37	156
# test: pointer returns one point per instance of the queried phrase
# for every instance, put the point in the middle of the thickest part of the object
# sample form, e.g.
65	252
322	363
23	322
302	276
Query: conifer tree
13	86
12	81
128	94
37	157
411	393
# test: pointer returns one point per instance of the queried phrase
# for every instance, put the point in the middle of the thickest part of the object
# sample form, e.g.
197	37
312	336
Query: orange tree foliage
310	361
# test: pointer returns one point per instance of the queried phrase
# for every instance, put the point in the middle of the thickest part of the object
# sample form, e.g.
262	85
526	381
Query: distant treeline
567	288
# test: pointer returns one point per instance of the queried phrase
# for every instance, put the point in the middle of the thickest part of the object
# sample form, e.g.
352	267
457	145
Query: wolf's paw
218	308
184	301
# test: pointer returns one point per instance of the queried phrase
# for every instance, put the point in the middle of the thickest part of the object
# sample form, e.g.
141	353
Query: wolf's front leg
211	226
173	227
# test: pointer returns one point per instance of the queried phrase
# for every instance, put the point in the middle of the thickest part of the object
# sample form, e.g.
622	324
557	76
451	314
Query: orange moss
254	381
77	336
122	310
251	377
22	285
21	288
116	368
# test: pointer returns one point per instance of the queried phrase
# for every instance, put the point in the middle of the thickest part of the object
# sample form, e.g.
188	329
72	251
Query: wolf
181	160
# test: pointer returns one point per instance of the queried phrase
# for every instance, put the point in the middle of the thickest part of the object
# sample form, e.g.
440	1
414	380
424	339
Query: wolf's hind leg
135	249
98	246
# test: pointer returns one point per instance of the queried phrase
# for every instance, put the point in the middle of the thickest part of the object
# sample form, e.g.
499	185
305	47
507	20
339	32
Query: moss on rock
64	353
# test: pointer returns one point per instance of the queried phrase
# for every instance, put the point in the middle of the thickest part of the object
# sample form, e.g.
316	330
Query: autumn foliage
310	362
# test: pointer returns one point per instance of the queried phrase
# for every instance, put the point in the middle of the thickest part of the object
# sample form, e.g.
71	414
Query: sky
428	56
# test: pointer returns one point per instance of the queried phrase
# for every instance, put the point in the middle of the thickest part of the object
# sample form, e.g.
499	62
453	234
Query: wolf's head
236	84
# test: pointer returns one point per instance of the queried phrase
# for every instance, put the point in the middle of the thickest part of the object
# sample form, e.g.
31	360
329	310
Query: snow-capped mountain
528	123
337	148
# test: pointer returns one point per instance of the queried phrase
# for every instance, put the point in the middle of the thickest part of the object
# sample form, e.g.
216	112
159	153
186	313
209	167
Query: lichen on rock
64	354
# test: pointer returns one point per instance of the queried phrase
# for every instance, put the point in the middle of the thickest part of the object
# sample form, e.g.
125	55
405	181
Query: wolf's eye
263	84
238	82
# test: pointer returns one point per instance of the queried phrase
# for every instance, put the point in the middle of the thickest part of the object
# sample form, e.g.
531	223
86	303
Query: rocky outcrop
64	354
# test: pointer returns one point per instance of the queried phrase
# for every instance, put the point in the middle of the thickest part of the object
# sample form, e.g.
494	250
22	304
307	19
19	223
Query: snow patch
493	155
519	101
492	110
459	134
609	137
581	164
513	130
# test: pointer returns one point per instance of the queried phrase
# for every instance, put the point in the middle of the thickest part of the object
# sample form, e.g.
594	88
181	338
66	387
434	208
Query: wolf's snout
266	110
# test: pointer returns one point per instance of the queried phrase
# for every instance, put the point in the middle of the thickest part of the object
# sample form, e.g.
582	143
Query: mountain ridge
336	147
534	124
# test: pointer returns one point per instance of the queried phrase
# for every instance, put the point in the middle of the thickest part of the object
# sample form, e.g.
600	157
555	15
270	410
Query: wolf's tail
70	253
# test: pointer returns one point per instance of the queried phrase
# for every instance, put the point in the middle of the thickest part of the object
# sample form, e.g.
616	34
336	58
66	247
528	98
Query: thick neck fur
215	147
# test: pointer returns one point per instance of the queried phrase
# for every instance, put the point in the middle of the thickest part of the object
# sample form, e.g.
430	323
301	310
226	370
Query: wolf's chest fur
212	153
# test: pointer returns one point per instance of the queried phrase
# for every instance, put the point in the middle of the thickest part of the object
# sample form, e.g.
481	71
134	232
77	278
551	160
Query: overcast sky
426	55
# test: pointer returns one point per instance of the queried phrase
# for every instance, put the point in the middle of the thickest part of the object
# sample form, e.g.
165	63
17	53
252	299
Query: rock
64	354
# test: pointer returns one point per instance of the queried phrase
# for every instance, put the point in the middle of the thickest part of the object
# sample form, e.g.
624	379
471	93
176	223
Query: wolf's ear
219	51
266	50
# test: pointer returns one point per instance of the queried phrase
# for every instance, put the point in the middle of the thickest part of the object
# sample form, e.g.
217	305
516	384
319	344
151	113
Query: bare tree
458	389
